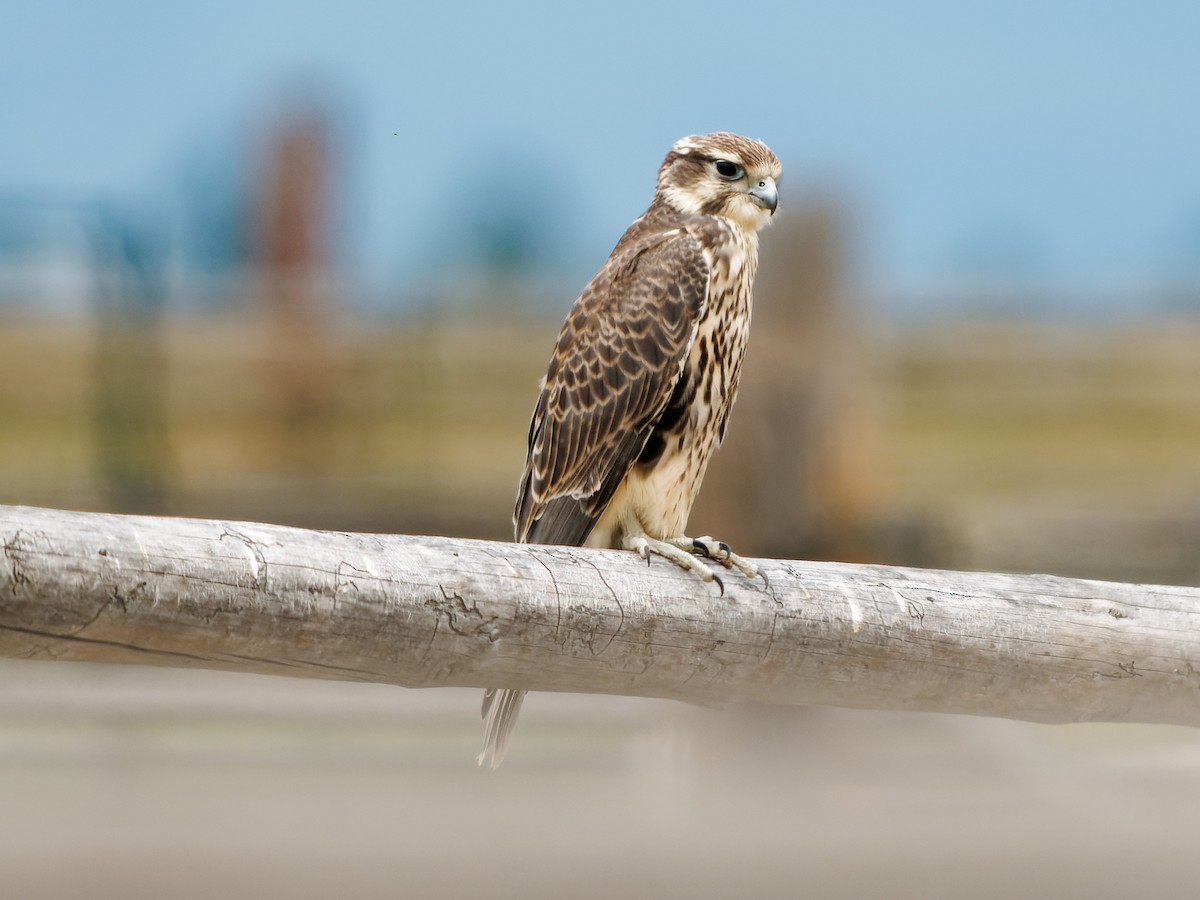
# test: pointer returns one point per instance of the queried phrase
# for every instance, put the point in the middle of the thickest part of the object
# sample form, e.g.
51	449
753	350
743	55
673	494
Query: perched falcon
638	391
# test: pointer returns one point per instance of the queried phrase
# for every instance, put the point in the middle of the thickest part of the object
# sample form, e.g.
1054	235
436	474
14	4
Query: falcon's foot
719	551
686	552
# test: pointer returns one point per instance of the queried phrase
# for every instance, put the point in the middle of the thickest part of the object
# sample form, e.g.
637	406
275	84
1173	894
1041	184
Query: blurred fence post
792	476
130	370
293	224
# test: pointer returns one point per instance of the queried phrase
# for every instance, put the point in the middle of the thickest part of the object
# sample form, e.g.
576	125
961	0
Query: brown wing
618	358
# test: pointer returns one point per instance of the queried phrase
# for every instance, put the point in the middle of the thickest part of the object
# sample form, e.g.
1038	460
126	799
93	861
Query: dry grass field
989	439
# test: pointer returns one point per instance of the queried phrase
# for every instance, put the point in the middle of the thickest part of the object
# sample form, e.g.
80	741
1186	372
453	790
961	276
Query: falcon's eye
730	171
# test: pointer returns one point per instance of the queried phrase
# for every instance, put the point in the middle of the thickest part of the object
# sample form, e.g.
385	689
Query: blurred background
304	263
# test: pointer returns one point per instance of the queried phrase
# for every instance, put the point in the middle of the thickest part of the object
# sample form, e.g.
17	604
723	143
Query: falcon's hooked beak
765	195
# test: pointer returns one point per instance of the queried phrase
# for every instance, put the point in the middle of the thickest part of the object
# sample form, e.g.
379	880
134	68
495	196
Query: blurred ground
123	783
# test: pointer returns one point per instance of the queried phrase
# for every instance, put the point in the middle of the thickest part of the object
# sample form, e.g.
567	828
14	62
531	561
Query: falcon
639	388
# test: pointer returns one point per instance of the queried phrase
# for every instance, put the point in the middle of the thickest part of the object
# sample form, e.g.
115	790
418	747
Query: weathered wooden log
433	611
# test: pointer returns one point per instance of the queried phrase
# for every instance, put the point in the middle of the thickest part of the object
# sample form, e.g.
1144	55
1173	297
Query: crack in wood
456	611
15	552
557	593
616	600
1124	670
79	639
258	559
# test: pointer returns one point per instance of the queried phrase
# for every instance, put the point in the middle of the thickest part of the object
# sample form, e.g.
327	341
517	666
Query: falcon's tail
500	709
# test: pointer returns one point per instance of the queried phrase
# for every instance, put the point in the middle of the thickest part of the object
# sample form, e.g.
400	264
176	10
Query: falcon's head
721	174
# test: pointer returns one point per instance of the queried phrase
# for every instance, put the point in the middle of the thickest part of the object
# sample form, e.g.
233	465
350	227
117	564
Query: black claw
725	548
766	580
699	548
720	584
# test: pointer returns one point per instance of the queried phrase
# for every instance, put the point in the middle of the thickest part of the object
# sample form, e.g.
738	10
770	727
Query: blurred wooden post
791	478
293	261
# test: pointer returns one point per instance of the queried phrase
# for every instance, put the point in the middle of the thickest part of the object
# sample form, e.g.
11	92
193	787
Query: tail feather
500	709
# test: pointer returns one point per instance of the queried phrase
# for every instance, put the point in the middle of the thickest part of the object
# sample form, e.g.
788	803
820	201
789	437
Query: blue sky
1055	144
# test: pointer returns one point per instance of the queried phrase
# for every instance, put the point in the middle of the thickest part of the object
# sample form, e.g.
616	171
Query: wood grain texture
436	612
